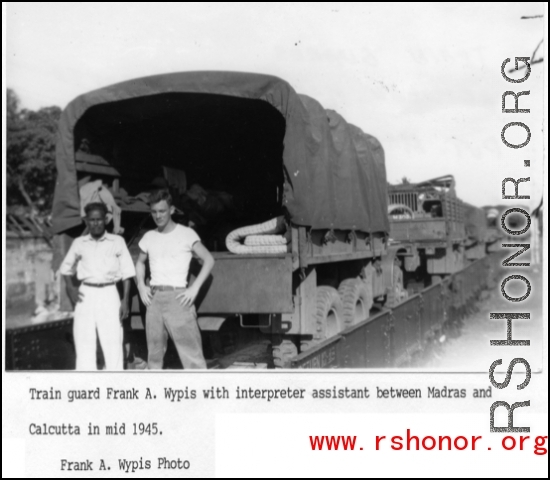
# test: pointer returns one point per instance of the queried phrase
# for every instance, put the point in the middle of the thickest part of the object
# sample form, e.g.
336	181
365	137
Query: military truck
268	153
427	230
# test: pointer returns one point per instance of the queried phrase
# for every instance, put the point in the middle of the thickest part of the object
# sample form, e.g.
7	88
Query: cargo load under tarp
332	174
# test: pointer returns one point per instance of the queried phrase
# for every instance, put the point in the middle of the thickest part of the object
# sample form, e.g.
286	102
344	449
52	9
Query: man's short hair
96	206
159	196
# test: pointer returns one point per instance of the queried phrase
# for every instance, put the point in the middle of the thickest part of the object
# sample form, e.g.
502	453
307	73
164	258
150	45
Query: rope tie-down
260	238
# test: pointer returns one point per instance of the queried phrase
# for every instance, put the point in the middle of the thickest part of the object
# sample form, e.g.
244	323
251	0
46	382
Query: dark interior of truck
220	157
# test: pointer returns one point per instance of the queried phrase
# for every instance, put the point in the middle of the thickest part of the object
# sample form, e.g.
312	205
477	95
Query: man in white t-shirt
169	302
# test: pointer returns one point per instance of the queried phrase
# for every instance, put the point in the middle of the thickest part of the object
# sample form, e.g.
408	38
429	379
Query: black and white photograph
358	212
260	192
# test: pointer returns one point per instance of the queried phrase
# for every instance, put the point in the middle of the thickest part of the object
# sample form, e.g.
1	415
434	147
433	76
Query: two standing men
102	259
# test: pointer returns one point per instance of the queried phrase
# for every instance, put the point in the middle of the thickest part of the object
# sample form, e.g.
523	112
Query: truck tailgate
248	284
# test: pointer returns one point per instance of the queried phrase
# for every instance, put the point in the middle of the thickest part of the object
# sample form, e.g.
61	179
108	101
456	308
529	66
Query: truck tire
283	353
328	313
396	293
357	300
305	345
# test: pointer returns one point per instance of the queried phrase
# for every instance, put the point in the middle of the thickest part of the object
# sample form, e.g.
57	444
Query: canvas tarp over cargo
230	130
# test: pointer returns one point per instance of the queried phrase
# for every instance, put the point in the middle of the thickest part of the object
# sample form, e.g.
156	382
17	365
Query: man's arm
144	290
68	265
127	271
188	297
125	303
68	270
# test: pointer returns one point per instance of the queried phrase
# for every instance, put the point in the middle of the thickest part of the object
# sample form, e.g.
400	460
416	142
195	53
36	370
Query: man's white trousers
98	311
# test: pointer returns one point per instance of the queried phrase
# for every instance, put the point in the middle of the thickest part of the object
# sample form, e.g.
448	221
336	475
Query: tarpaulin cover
335	174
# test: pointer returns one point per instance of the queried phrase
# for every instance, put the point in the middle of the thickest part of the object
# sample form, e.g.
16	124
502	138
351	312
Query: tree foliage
30	154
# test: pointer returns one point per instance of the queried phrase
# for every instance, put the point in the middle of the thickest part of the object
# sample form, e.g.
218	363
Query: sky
423	78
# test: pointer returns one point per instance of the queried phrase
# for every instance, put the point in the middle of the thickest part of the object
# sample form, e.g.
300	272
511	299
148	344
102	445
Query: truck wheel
356	301
328	313
413	287
283	353
397	293
306	345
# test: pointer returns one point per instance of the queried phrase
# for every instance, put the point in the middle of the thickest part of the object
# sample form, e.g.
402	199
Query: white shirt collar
105	236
